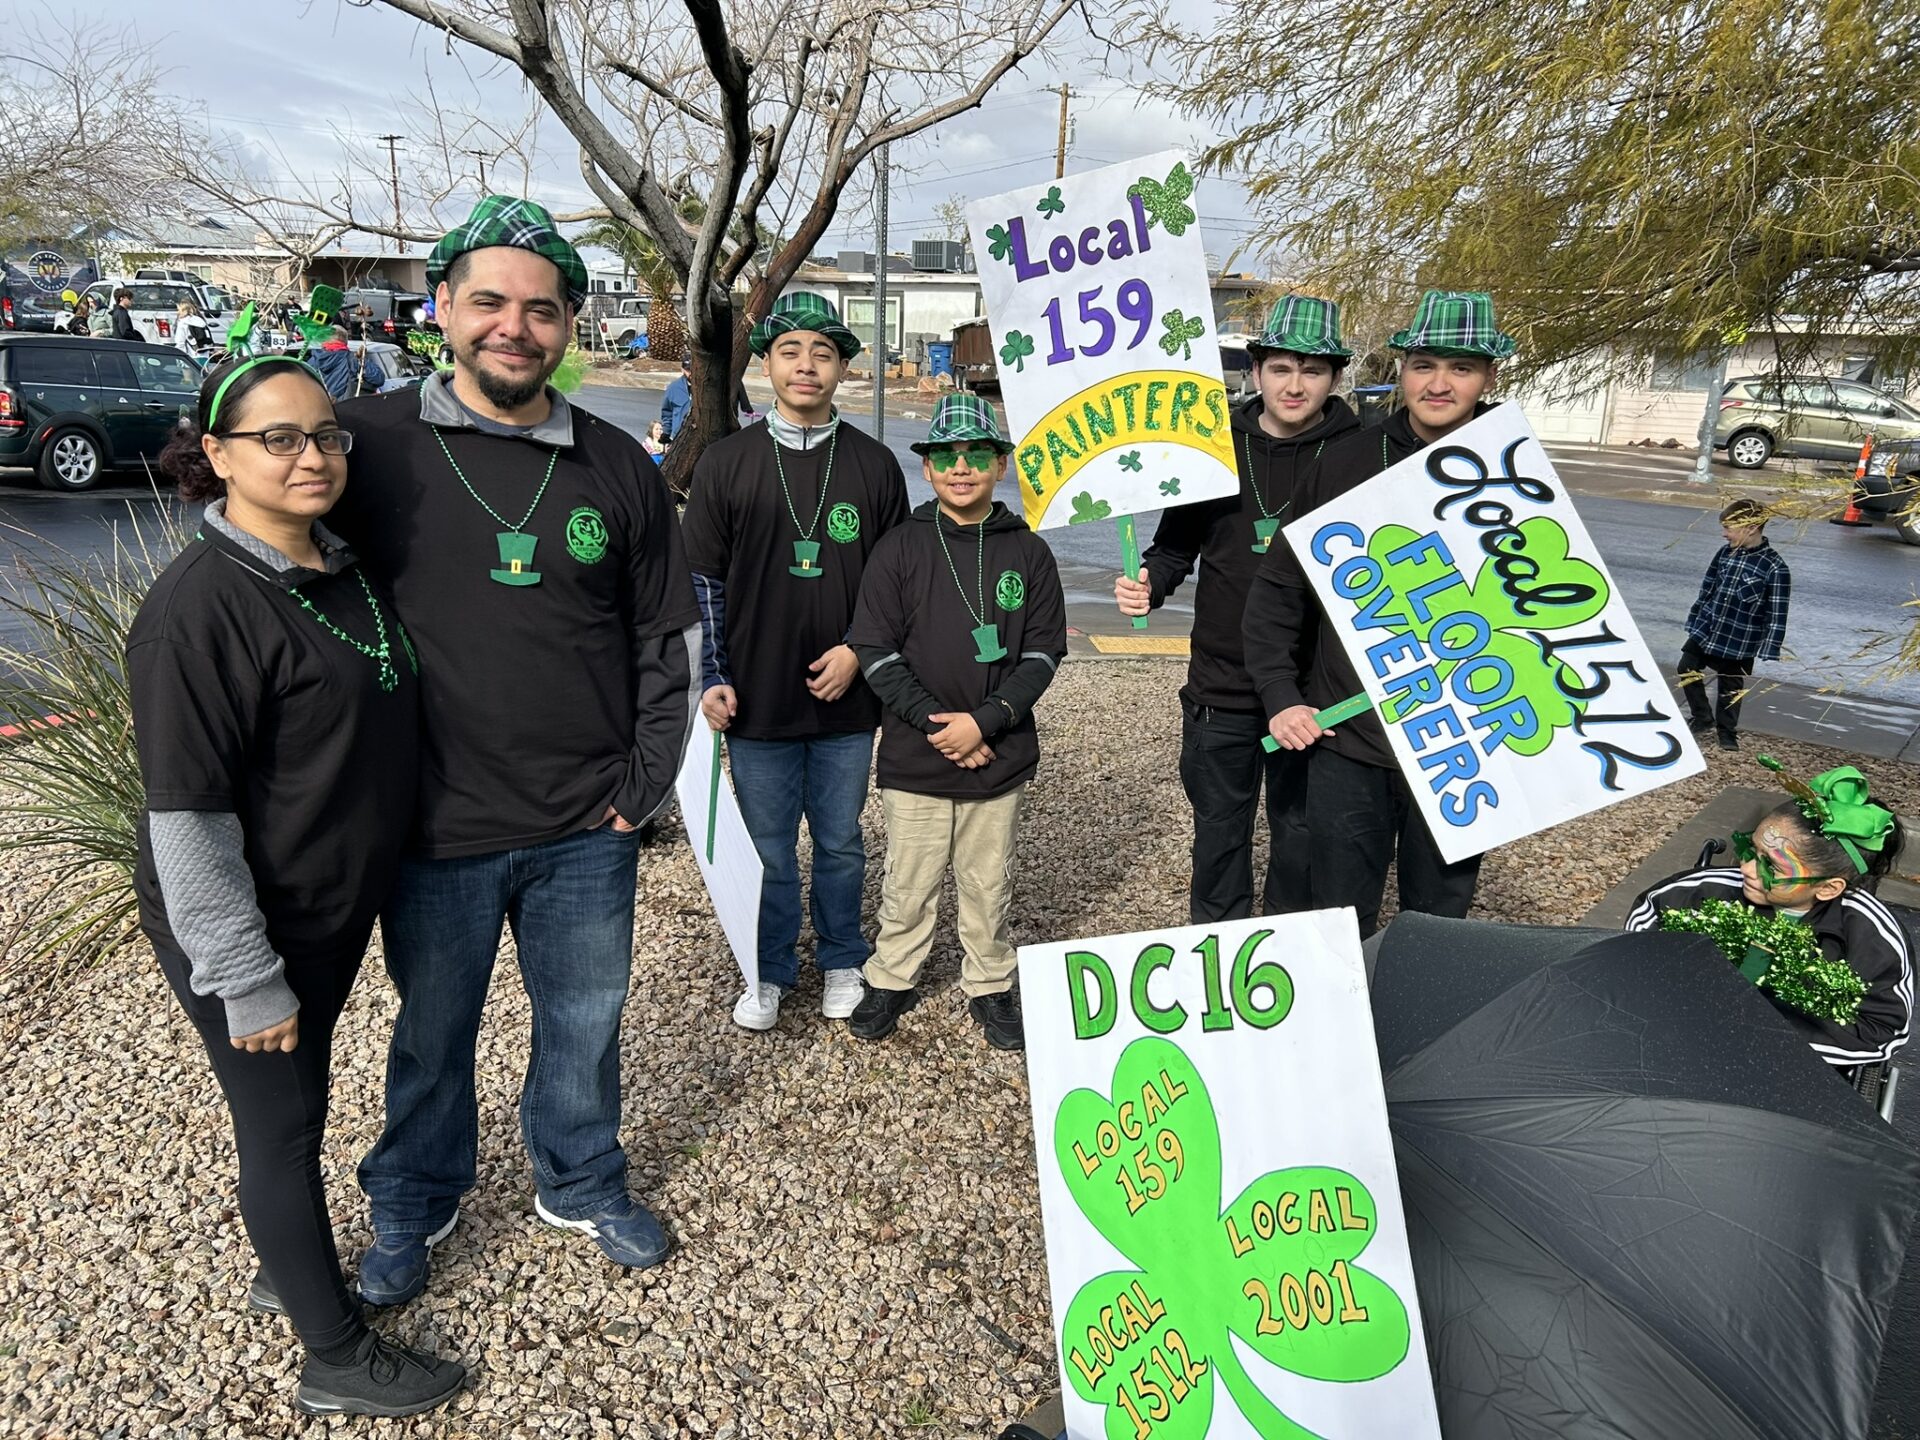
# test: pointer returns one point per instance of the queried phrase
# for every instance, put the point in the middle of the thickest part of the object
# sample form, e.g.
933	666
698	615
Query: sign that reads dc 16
1514	686
1226	1248
1097	294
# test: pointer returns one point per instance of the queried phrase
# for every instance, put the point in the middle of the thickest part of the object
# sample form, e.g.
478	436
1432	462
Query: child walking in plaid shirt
1741	616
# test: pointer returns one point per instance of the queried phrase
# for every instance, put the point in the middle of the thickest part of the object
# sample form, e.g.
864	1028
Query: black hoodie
1282	610
913	630
1219	534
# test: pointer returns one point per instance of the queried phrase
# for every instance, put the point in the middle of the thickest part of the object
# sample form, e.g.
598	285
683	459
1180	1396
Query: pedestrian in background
678	400
1740	617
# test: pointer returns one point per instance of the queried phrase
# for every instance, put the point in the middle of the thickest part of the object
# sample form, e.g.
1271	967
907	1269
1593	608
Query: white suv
156	305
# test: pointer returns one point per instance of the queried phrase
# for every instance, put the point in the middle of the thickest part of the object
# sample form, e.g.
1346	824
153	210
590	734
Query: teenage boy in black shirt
960	629
532	552
781	519
1296	363
1358	804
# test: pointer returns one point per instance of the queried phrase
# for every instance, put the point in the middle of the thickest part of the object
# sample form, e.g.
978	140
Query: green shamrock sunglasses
978	457
1745	849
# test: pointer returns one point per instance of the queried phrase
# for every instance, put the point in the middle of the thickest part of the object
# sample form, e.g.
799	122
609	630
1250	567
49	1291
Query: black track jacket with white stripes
1854	927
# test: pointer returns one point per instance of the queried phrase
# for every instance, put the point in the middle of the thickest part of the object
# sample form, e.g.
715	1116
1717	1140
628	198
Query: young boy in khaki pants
960	627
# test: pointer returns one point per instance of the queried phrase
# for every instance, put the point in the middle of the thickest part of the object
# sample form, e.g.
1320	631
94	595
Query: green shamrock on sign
999	243
1170	487
1130	460
1166	204
1274	1269
1016	350
1086	508
1181	333
1051	203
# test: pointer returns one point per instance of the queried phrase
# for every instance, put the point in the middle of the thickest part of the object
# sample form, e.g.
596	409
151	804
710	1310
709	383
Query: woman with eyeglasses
1813	862
274	709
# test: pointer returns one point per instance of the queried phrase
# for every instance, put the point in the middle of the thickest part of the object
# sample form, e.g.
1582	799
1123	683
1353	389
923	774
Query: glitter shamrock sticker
1051	203
1165	203
1275	1269
1019	345
1181	333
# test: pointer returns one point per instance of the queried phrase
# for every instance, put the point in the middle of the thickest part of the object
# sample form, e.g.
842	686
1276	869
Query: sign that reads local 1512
1097	292
1225	1245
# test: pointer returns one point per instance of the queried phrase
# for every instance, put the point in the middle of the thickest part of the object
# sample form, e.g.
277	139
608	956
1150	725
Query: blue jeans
570	905
823	777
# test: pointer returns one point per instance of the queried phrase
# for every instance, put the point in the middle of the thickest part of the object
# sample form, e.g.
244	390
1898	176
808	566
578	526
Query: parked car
156	304
214	299
973	358
376	313
1236	365
609	321
74	407
22	307
1820	419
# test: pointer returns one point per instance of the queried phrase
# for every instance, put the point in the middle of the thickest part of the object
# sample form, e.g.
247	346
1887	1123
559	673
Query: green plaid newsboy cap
1303	325
803	310
963	418
1455	323
520	224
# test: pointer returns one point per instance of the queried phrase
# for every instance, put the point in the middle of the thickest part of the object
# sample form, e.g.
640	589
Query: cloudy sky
293	76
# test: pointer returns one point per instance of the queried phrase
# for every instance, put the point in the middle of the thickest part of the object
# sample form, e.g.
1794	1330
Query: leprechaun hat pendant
516	559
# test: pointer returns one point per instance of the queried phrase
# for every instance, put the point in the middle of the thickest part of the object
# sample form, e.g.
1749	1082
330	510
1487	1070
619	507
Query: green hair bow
1836	801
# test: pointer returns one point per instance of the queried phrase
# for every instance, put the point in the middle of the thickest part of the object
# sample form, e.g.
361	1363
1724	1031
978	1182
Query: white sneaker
841	993
759	1007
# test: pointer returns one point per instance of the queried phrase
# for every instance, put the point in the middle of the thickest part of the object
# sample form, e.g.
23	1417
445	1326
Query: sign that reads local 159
1225	1245
1097	292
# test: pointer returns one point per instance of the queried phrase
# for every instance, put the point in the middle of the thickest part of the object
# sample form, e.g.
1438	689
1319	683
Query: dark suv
376	314
74	408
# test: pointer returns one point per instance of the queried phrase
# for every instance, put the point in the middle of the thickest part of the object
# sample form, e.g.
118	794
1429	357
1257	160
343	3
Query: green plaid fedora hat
963	418
803	310
1455	323
1303	325
521	224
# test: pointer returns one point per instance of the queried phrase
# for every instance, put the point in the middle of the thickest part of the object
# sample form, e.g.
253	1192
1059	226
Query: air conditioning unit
855	262
942	255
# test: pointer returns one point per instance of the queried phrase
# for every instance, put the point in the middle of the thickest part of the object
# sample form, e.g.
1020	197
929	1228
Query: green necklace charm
806	550
382	653
986	635
516	547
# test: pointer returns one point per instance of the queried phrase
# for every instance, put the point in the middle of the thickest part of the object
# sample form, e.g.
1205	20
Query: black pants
1732	690
279	1106
1355	814
1223	768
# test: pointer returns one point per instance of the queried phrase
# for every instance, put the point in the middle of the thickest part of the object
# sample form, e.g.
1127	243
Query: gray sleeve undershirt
200	858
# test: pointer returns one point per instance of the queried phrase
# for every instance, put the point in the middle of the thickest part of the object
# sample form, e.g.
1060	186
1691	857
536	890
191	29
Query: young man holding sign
1358	803
780	523
1277	434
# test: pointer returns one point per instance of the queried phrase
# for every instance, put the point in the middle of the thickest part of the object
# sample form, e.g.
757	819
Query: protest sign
1097	293
1514	686
1226	1250
729	864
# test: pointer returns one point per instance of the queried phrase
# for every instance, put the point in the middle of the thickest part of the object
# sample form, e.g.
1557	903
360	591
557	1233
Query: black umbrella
1638	1206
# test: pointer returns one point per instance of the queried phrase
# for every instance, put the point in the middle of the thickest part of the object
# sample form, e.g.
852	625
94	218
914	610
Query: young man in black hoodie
1358	804
960	627
1296	361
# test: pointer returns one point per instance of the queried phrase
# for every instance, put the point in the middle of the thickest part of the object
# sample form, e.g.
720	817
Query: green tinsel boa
1796	972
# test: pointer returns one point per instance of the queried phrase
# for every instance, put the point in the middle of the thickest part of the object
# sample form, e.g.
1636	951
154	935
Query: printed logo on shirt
1010	591
586	536
843	523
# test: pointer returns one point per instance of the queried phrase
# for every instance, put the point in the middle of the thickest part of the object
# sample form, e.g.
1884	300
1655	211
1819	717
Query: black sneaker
1700	724
1729	742
382	1378
999	1017
879	1011
261	1296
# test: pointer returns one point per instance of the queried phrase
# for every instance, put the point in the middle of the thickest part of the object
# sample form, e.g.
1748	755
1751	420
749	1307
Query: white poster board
729	864
1514	686
1226	1249
1097	294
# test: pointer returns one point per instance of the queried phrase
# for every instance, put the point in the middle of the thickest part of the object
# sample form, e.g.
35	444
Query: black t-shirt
911	602
542	703
740	532
245	703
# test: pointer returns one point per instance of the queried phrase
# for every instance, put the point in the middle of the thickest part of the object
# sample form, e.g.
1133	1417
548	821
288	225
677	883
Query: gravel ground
859	1248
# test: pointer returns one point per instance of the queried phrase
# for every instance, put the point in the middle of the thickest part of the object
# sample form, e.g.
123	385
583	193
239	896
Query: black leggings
279	1106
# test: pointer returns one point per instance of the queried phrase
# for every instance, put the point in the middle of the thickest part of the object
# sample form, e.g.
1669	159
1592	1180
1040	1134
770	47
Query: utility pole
482	157
392	142
880	302
1060	149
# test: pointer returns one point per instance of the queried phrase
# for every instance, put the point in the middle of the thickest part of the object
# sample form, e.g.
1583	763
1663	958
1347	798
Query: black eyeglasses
287	442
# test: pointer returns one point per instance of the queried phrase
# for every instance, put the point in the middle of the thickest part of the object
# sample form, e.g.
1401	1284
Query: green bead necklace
1268	524
806	550
381	654
986	635
516	547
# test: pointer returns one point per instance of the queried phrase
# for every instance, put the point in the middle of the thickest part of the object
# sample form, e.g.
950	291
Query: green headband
213	410
1835	801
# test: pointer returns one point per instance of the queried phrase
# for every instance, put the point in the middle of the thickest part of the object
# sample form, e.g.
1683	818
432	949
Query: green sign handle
1130	557
713	798
1328	718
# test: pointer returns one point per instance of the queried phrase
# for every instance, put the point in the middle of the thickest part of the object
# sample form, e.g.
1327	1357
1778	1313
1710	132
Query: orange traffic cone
1852	515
